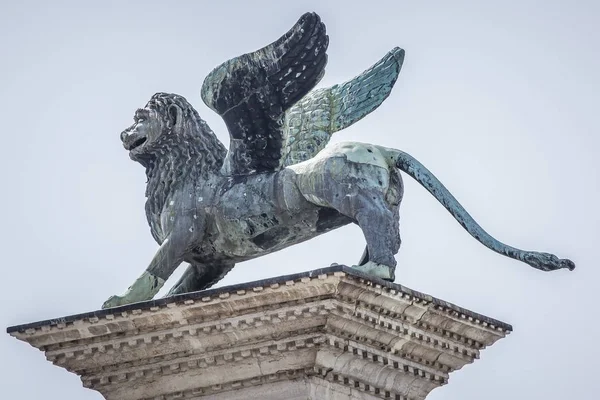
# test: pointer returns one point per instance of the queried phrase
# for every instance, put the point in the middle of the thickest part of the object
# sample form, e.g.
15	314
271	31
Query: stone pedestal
332	334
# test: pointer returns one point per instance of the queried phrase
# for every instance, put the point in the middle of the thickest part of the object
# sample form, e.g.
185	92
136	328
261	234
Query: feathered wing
252	92
310	123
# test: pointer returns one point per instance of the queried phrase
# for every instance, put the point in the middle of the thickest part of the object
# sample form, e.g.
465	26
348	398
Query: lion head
168	127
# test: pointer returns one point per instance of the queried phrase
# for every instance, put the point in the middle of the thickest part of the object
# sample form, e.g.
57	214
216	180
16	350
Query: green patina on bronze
278	184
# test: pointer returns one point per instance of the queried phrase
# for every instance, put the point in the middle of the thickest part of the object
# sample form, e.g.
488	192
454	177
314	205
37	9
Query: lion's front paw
114	301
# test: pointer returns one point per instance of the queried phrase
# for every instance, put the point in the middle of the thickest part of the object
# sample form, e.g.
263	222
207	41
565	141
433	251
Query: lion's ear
175	115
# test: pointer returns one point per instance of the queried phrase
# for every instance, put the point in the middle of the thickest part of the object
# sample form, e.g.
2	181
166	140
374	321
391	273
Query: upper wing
310	123
252	92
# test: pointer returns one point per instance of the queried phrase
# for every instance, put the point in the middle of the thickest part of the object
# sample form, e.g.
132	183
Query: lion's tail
417	171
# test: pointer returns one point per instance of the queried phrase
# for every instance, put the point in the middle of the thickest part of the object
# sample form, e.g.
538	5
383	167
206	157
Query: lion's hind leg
377	217
356	180
380	226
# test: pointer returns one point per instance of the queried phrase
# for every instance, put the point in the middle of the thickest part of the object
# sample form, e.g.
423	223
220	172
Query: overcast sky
500	100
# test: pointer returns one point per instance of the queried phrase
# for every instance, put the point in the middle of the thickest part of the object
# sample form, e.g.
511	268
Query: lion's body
247	217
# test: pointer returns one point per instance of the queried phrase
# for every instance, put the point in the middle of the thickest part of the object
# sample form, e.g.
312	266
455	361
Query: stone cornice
320	326
243	288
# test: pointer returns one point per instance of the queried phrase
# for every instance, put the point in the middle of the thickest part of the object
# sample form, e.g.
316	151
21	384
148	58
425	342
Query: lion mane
193	150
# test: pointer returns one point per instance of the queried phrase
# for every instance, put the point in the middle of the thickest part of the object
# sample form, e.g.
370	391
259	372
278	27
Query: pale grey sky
498	99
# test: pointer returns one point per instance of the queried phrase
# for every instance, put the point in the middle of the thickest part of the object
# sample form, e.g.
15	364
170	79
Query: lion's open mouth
137	143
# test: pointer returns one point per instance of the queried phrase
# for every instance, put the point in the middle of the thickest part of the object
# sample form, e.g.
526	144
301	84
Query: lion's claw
113	301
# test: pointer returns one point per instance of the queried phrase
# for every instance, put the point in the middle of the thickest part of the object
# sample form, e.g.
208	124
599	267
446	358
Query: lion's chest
182	208
162	221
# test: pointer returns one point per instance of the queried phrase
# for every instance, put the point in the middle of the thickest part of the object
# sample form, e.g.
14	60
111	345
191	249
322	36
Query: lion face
140	138
168	127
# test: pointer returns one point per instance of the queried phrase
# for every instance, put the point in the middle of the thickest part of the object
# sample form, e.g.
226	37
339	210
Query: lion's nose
124	135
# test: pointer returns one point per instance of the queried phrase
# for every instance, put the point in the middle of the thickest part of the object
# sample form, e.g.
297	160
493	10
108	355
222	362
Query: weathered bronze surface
277	185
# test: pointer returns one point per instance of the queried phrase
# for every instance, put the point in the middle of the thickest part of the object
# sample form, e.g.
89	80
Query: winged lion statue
278	184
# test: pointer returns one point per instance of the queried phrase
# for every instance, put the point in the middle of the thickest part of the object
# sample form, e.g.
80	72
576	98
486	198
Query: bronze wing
252	92
310	123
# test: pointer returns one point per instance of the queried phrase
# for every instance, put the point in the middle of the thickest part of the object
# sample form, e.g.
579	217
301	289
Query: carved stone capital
332	333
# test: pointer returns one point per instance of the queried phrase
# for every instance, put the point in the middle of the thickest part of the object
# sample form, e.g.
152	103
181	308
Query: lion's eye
140	120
